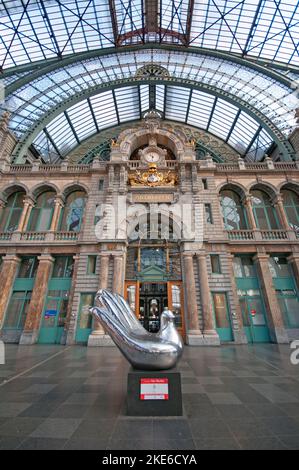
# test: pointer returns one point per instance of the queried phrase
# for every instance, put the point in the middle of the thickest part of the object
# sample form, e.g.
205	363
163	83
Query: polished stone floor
54	397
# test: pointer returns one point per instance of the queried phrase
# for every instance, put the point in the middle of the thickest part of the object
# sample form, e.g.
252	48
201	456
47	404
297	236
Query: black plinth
144	387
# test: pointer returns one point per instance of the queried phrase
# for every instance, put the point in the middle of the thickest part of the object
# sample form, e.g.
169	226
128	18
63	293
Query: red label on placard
154	389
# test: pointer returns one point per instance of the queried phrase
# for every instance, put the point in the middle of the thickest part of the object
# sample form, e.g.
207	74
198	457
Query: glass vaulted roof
71	68
110	108
33	30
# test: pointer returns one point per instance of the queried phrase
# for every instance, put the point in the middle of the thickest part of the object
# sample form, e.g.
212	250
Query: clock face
152	157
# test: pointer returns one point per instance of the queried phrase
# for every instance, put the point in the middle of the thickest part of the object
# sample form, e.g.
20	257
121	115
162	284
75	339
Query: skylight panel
173	15
243	132
82	120
160	96
177	103
127	102
259	147
144	97
200	109
222	119
104	109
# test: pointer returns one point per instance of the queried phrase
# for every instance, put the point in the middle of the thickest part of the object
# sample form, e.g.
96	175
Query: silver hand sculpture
144	350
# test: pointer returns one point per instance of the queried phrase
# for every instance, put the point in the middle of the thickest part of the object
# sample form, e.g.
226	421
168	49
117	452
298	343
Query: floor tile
224	399
57	428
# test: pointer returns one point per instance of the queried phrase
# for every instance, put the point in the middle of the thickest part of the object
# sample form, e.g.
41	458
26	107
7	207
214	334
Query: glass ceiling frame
128	104
34	30
268	100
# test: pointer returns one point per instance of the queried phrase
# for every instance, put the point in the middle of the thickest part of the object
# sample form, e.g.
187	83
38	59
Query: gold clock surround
152	177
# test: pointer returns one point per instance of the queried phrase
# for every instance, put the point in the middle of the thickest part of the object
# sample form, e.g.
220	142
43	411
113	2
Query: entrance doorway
253	314
148	300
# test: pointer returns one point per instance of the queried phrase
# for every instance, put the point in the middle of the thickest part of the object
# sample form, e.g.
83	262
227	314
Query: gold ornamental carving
152	177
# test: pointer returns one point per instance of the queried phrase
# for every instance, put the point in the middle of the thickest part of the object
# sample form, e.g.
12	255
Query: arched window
41	214
234	215
72	213
12	212
264	212
291	207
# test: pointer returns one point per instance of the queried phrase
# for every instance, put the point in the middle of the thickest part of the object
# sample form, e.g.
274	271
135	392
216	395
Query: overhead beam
41	68
113	21
151	16
189	21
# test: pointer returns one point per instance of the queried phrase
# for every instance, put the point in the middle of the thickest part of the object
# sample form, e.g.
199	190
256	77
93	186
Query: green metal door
222	317
55	311
85	322
254	319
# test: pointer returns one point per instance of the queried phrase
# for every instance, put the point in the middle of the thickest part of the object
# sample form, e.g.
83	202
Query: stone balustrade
33	237
261	235
171	164
241	235
274	235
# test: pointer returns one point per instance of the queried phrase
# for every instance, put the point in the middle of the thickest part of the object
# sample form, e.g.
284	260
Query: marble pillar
249	210
23	222
277	331
194	335
210	334
9	268
69	332
56	214
239	335
98	337
118	274
35	309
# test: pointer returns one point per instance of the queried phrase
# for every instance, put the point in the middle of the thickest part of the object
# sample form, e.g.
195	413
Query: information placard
154	389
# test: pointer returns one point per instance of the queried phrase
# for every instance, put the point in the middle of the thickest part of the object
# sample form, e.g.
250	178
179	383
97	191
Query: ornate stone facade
109	195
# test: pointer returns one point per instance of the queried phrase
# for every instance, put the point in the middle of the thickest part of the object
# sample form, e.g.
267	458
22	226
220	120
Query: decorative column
276	326
118	274
24	219
56	214
293	259
278	204
194	335
239	334
249	210
9	268
35	309
210	334
71	318
98	337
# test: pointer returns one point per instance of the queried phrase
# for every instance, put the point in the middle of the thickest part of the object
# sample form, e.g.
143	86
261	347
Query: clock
152	154
152	157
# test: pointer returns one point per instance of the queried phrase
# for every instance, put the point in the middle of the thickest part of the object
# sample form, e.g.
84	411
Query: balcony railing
262	235
47	237
240	235
66	236
274	234
5	236
241	165
33	236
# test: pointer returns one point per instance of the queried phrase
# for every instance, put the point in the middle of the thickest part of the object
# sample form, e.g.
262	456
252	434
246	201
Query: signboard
154	389
153	198
50	313
253	312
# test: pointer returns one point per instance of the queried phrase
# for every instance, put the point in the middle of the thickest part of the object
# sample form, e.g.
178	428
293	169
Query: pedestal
154	393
